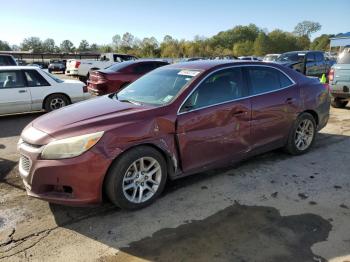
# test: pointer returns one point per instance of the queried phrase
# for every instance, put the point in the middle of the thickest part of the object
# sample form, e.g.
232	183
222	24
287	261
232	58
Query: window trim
25	85
236	99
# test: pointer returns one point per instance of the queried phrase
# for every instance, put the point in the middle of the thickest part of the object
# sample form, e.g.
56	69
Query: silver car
339	80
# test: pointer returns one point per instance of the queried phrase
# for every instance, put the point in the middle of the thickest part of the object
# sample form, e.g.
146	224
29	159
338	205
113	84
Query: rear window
7	61
119	66
344	57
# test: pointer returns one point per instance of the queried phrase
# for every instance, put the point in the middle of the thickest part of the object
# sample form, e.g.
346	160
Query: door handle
240	113
290	100
22	91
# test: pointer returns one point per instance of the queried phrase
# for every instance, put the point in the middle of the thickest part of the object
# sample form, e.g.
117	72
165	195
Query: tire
123	182
296	147
50	71
338	103
55	101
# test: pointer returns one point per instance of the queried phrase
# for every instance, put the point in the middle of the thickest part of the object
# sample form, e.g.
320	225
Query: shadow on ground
13	125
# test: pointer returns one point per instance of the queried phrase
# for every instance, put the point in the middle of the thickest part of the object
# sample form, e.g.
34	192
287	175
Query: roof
209	64
341	35
17	67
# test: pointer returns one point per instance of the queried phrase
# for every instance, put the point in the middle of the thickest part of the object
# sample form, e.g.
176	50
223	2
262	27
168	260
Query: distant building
340	41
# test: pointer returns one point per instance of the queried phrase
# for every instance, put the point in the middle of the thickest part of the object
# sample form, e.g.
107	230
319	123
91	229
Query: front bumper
74	181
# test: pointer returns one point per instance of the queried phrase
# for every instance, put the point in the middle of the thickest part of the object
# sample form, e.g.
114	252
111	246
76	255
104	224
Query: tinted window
144	68
319	57
119	66
310	57
222	86
10	79
263	79
7	61
35	79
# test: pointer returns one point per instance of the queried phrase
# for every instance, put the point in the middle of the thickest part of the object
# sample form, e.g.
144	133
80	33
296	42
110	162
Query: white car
26	89
81	68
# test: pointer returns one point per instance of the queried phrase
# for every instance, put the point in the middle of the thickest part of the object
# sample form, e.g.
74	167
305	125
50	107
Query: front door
213	125
14	94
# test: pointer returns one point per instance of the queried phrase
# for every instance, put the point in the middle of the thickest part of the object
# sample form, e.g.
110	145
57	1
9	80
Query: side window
6	61
11	79
319	57
264	79
35	79
220	87
143	68
310	57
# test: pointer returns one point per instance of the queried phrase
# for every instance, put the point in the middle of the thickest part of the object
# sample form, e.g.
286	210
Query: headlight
70	147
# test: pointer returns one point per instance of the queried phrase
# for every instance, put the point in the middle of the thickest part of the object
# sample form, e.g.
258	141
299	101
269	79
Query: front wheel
302	135
137	178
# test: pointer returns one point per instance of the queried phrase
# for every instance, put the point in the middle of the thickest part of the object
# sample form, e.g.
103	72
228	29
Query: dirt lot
274	207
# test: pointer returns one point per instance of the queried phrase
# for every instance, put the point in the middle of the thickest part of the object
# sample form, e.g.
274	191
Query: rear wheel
302	135
338	103
137	178
55	101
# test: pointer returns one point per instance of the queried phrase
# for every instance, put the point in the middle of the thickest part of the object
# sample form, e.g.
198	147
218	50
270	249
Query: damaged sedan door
213	123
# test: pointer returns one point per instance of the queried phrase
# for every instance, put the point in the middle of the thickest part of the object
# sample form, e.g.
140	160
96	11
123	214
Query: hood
90	116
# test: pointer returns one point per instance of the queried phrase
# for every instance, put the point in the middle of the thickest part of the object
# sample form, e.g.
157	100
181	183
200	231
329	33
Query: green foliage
321	43
240	40
67	46
4	46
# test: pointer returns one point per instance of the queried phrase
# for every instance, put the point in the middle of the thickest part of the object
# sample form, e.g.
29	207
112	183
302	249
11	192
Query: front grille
25	163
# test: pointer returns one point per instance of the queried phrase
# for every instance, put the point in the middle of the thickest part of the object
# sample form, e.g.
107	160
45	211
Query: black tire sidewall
114	180
338	103
291	147
51	97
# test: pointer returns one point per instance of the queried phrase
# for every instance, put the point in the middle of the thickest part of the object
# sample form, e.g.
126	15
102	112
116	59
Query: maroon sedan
118	76
174	121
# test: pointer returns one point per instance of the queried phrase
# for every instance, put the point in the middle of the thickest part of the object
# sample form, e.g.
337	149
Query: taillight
101	77
77	64
85	89
331	75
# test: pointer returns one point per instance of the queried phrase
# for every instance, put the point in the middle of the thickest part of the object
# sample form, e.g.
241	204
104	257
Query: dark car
309	63
7	60
177	120
57	65
119	75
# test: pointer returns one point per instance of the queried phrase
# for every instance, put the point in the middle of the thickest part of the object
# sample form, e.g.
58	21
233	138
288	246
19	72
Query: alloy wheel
57	103
142	179
304	135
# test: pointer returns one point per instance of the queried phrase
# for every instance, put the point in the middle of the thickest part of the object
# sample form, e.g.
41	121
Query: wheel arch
314	115
58	93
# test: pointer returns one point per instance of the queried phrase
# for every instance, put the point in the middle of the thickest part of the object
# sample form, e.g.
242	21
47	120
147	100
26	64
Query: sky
98	21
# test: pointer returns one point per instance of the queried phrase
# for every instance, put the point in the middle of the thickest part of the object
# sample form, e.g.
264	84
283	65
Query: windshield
294	57
344	57
53	77
158	87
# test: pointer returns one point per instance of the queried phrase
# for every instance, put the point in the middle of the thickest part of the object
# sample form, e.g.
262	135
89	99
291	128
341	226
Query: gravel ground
273	207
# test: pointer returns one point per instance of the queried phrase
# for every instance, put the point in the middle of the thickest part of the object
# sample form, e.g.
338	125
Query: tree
321	43
116	42
4	46
48	45
282	41
306	28
243	48
94	47
262	44
127	42
149	47
33	44
67	46
83	46
105	49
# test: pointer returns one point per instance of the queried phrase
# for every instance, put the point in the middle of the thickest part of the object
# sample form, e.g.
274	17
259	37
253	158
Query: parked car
248	58
271	57
119	75
82	68
309	63
26	89
57	65
177	120
339	80
7	60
